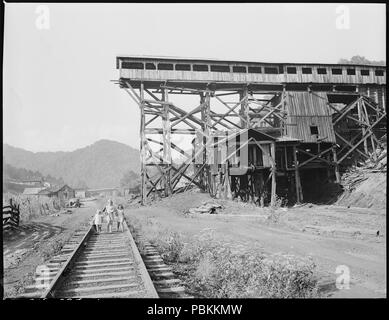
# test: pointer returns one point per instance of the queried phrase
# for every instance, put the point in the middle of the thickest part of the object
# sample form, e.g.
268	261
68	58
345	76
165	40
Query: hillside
365	184
99	165
13	177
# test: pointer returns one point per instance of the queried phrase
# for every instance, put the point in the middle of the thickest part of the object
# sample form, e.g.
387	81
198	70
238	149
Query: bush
222	273
211	269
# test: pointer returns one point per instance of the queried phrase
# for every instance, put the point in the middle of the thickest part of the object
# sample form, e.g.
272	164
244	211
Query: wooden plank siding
244	75
305	110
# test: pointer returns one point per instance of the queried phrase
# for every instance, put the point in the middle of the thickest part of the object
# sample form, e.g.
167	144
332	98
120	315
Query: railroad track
165	281
90	265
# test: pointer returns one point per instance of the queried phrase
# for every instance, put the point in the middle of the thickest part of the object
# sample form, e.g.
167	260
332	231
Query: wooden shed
309	117
63	193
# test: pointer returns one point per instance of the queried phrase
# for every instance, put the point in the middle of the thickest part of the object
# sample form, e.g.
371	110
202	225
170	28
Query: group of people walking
110	214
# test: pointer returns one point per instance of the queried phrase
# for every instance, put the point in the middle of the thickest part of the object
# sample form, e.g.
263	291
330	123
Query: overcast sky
57	89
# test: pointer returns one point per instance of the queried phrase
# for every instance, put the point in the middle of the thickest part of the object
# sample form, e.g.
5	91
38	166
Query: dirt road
365	257
34	242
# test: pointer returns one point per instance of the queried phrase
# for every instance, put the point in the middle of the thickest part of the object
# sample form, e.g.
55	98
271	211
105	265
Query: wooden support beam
314	156
274	109
138	97
366	115
274	173
188	178
208	139
244	109
167	157
361	119
177	111
345	110
174	146
230	109
226	120
337	174
299	193
177	115
182	118
195	176
236	114
350	145
151	120
363	138
172	131
142	147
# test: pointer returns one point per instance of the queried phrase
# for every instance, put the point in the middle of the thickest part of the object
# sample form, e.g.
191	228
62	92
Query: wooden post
284	129
142	147
297	176
244	109
362	119
166	143
206	123
337	174
261	189
244	148
273	177
227	184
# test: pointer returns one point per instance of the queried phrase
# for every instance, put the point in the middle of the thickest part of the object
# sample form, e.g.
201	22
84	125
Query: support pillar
143	190
205	126
274	173
299	193
261	189
244	109
362	119
166	143
284	128
337	174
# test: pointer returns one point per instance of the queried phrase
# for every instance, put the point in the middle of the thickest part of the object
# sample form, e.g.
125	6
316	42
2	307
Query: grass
212	269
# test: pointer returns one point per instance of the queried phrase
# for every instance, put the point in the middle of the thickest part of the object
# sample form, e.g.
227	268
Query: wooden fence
11	215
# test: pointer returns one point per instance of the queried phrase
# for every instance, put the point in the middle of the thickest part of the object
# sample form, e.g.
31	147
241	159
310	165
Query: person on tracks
120	218
109	214
98	220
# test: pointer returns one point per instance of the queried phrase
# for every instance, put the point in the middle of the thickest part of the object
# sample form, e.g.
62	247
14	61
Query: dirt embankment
35	241
333	236
368	193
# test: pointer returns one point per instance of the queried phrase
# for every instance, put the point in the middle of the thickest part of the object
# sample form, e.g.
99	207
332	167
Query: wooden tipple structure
258	130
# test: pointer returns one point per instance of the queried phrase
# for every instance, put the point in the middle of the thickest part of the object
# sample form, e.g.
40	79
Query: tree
362	61
129	180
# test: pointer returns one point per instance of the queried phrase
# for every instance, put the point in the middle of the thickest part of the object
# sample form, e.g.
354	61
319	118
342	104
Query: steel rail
59	278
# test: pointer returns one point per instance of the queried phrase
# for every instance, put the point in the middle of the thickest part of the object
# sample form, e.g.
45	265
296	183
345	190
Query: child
120	217
109	211
98	221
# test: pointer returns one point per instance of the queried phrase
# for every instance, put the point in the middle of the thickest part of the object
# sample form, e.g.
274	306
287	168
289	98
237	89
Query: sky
57	93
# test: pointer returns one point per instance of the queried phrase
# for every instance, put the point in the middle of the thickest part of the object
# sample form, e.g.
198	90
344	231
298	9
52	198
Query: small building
63	193
81	193
103	192
33	191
